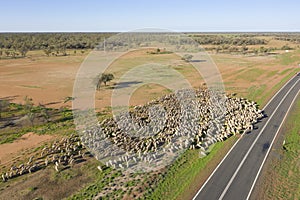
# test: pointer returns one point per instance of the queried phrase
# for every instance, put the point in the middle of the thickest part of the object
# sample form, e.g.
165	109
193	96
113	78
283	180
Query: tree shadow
52	103
126	84
9	98
197	61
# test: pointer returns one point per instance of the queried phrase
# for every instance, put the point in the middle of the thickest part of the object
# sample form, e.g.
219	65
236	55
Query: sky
128	15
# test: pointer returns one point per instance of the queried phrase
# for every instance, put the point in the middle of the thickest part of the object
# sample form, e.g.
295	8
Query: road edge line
265	158
251	147
203	185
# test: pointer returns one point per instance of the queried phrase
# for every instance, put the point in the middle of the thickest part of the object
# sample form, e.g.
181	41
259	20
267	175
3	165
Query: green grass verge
255	93
282	177
92	190
182	173
268	94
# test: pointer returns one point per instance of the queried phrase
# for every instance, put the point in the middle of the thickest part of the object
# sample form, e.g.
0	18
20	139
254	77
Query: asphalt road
236	175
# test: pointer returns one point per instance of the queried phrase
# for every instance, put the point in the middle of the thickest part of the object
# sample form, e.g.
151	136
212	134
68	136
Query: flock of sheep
60	154
152	134
155	133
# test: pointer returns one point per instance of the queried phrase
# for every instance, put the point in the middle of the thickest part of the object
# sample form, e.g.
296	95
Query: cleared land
27	141
49	80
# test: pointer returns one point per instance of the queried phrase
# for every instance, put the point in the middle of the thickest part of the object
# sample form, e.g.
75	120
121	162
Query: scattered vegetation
179	177
17	45
17	120
159	51
182	173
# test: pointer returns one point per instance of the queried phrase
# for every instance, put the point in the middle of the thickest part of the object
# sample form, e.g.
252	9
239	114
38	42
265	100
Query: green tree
29	109
47	51
187	57
263	50
3	106
104	78
244	49
286	47
44	112
23	50
7	52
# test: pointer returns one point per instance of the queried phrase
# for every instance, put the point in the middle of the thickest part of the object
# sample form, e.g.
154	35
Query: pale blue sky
126	15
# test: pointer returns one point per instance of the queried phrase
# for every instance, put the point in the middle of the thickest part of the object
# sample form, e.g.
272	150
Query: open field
49	82
27	141
254	77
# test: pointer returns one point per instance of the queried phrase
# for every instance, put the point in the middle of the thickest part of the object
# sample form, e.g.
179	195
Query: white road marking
256	177
237	142
251	147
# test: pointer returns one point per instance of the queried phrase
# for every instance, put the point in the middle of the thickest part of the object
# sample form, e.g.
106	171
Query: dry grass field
49	81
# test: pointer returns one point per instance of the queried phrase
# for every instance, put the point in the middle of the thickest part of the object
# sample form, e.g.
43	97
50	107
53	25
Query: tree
7	52
23	50
244	49
104	78
44	112
47	51
14	54
286	47
29	109
263	49
187	57
3	106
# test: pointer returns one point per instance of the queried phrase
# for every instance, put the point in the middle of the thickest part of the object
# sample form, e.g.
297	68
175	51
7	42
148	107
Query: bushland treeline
18	44
15	45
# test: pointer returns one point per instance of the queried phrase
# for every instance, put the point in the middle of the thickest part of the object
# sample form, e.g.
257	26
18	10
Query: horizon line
187	31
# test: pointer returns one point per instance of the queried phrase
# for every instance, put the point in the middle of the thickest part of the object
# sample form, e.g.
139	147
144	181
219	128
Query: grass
177	180
261	95
185	175
181	176
255	93
269	93
10	136
271	73
61	123
285	71
30	86
251	74
93	189
282	177
289	58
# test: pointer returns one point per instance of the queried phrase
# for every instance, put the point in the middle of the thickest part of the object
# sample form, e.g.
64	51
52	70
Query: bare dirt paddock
49	80
27	141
